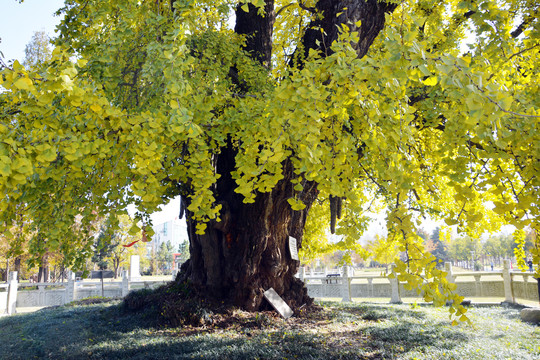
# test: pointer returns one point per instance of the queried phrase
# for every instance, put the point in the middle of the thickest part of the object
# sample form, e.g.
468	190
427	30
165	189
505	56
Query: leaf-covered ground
338	331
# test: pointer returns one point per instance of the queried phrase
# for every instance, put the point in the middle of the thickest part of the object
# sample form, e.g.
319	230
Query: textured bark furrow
258	30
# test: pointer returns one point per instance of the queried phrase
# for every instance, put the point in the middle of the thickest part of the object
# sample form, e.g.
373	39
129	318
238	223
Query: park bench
331	277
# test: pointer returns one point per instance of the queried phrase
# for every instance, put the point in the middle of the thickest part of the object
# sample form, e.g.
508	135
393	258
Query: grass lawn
339	331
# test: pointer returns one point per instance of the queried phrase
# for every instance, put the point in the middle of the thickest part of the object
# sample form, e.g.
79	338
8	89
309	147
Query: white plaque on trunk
277	302
293	248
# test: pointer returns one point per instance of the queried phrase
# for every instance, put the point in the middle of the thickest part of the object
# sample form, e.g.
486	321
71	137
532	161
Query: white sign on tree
293	248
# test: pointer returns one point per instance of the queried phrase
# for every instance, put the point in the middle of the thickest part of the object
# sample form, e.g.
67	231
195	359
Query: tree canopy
428	108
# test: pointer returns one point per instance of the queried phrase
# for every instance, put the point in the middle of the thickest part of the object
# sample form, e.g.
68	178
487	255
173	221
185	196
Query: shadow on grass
378	313
408	336
51	331
393	331
355	331
108	332
511	314
95	332
212	347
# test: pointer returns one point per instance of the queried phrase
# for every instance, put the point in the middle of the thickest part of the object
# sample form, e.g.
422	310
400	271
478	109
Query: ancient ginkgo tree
257	111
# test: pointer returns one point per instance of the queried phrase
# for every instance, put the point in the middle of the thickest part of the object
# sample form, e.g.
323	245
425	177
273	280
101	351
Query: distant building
174	231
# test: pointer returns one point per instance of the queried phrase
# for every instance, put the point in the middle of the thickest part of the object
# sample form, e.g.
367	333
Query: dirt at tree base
183	304
185	314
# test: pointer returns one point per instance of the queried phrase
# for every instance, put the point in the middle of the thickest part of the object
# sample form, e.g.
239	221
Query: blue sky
18	22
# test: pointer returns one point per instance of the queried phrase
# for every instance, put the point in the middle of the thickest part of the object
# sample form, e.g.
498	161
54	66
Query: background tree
164	257
531	241
4	259
120	255
103	248
493	249
465	250
440	247
114	244
429	245
14	250
345	101
38	50
384	250
183	250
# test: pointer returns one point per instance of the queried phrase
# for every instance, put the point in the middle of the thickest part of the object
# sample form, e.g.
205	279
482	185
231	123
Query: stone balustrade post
525	286
449	274
12	293
71	288
370	287
302	273
346	285
394	284
134	267
478	285
125	283
507	278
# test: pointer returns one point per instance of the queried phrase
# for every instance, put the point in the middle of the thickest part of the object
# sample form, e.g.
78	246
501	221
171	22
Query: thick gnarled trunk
247	252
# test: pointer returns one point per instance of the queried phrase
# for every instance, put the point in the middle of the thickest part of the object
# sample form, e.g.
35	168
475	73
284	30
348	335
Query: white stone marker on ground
277	302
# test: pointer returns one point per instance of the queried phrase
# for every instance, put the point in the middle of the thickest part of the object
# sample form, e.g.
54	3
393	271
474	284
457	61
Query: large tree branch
364	17
528	20
258	29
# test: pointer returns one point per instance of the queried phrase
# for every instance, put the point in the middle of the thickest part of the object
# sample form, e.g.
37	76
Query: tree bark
116	265
258	30
7	269
247	252
18	267
40	274
363	16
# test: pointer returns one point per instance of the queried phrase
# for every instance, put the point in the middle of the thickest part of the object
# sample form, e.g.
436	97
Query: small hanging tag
293	248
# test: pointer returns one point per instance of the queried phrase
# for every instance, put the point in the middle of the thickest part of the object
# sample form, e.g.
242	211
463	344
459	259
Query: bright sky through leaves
19	21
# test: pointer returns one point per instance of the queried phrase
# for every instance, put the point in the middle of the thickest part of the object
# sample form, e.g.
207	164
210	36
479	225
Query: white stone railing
52	294
8	295
513	286
4	291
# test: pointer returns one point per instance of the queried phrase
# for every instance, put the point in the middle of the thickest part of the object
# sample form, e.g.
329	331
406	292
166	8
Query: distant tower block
134	274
